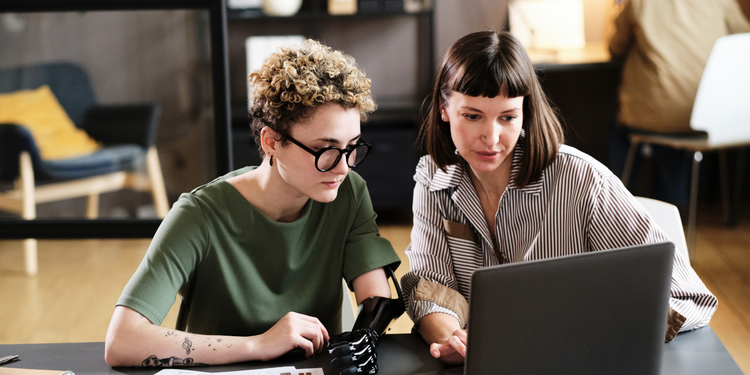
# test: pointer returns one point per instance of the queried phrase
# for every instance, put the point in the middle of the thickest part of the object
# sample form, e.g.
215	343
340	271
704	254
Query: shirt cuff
424	308
675	321
444	297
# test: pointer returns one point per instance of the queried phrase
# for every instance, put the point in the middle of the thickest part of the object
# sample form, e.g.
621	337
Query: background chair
721	113
667	217
127	133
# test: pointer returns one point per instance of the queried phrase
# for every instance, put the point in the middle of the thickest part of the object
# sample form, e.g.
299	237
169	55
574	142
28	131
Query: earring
456	152
271	161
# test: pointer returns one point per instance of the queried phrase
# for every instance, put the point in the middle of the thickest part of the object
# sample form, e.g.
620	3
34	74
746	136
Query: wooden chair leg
28	189
158	191
30	254
92	206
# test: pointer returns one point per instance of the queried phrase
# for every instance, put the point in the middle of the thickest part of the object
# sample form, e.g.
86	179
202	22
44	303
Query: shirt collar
456	174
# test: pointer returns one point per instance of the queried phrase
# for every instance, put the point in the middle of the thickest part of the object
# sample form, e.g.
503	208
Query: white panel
722	104
258	48
548	24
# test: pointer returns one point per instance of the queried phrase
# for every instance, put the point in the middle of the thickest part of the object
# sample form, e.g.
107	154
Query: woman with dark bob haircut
498	186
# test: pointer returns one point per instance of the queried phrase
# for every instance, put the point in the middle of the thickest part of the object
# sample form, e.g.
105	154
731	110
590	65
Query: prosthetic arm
355	352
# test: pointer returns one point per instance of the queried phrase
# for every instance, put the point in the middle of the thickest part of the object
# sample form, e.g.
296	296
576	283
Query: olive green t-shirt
238	272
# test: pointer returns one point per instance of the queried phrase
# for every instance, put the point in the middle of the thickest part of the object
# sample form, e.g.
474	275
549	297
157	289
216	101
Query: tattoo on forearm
154	361
187	345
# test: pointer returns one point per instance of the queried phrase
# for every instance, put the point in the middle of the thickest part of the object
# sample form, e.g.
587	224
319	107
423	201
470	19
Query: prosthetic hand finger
343	361
349	371
355	352
339	351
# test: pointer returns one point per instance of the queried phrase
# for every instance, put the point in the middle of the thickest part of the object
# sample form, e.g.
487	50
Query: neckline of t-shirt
301	220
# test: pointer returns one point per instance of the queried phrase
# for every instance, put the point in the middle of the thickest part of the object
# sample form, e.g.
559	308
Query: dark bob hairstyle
489	63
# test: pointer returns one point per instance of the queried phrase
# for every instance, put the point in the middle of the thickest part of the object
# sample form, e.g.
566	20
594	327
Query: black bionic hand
378	312
355	352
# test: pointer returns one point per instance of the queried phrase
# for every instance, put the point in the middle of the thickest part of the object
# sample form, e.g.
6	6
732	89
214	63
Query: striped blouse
576	206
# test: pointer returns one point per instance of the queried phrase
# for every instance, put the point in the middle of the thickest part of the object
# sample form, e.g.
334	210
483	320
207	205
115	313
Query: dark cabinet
586	96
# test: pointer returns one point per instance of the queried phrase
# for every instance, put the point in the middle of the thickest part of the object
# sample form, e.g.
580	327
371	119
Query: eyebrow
334	140
478	110
470	108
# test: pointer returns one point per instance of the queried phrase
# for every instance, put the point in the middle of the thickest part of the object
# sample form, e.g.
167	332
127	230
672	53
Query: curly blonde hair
295	80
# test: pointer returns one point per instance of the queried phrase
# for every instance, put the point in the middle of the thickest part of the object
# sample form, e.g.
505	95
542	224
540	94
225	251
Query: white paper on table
309	371
264	371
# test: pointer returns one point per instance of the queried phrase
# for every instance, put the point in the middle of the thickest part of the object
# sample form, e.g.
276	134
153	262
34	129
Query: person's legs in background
671	168
671	176
619	144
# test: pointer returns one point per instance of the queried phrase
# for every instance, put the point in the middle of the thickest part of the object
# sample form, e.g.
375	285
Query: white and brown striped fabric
577	206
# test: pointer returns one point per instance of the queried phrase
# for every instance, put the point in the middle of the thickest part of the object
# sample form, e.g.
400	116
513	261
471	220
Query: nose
342	167
491	133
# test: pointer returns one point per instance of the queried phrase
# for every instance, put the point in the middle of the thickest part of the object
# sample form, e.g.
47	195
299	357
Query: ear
444	114
268	140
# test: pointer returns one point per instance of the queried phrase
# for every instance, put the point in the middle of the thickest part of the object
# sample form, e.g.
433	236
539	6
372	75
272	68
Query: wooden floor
73	296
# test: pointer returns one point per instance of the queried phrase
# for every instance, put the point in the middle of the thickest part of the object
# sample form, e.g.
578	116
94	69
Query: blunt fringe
490	63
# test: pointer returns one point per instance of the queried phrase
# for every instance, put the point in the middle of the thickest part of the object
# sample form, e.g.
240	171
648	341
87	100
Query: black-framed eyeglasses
328	158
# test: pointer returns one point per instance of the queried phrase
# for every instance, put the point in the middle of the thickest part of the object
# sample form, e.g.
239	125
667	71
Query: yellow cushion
54	133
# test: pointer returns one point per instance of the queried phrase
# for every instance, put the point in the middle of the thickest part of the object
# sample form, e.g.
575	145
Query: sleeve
623	35
615	211
174	252
431	285
736	21
365	250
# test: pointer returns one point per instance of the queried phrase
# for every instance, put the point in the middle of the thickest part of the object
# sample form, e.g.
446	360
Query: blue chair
127	133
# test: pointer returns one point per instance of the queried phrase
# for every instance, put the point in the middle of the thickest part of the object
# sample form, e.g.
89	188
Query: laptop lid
603	312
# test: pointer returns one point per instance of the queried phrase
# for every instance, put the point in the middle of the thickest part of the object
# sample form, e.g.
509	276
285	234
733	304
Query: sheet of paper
309	371
23	371
286	370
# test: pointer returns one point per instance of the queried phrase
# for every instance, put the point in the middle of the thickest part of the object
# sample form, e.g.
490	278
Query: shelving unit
401	81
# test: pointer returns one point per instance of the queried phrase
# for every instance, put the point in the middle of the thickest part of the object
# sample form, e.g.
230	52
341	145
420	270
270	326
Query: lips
488	156
332	184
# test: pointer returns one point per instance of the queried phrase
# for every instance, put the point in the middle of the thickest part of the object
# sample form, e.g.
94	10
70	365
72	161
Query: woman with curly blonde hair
257	256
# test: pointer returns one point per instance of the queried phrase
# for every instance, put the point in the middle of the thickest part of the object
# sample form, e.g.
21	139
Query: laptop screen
602	312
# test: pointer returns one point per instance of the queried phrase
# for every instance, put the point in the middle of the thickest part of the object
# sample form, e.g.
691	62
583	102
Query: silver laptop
602	312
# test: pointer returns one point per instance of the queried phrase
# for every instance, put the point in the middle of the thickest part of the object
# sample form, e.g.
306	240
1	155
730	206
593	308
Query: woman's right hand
453	350
446	338
290	332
